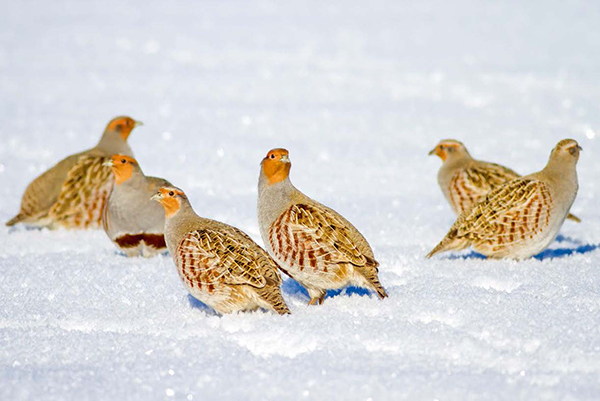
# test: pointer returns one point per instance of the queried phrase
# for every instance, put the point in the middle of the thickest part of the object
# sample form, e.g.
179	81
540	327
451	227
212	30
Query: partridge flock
500	215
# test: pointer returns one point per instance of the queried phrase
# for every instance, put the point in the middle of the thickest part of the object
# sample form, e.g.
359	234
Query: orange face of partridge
123	125
444	148
276	165
122	167
169	199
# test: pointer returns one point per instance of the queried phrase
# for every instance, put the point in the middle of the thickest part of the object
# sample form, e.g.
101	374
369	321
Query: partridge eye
171	193
123	161
272	156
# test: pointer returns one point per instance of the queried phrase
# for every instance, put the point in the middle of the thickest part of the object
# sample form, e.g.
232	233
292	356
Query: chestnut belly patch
156	241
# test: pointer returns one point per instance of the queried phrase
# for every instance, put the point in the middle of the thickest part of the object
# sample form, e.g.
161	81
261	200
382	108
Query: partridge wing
509	214
310	235
208	256
83	194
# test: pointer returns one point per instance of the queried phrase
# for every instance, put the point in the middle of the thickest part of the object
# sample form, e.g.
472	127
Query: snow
359	93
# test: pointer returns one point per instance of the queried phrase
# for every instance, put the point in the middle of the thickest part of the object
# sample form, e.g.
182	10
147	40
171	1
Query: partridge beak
285	159
432	151
138	124
156	196
580	148
108	163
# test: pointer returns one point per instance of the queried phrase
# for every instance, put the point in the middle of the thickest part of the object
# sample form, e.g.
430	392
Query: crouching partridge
464	180
219	264
522	217
311	243
132	221
73	193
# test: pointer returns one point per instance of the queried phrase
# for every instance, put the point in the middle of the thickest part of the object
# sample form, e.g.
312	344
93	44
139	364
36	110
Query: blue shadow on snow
196	304
470	255
292	287
579	248
561	252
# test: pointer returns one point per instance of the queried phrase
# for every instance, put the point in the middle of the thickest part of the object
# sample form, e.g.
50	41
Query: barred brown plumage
310	237
209	257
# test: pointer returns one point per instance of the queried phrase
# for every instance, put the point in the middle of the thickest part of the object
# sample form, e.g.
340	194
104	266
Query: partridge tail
17	219
378	288
282	309
369	272
271	295
574	218
450	243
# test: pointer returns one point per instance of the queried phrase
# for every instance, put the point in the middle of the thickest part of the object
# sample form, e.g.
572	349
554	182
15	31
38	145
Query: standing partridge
132	221
522	217
72	194
465	180
219	264
312	243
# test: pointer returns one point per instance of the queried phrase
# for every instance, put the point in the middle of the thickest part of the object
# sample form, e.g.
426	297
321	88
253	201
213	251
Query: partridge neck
458	158
136	181
274	198
454	162
111	143
180	223
283	188
561	168
562	176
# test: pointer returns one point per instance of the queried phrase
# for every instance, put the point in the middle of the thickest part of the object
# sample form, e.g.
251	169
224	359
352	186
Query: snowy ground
358	92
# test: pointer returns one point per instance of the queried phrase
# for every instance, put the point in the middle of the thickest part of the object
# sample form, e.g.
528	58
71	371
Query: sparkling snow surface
359	92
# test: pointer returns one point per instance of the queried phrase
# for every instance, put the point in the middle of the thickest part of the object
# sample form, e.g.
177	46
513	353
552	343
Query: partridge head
172	199
122	126
448	149
565	154
276	165
123	167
